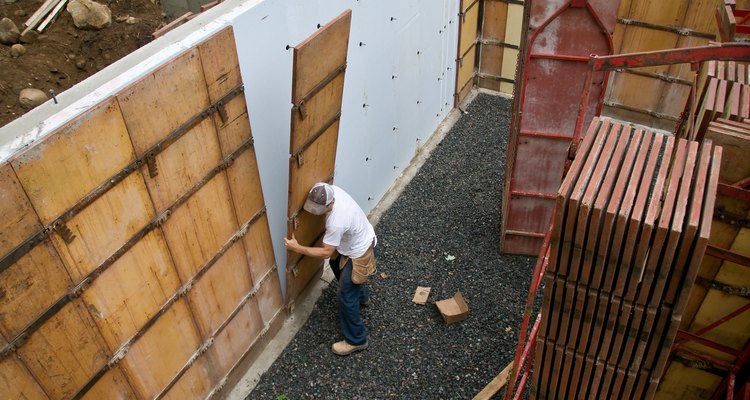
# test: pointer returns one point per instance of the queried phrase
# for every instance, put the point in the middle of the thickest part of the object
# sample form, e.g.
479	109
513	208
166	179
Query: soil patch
63	55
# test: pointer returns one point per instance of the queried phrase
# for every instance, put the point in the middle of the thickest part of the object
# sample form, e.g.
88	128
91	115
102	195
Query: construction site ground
63	55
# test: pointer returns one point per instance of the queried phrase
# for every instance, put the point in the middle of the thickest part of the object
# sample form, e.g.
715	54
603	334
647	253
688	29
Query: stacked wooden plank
632	220
723	92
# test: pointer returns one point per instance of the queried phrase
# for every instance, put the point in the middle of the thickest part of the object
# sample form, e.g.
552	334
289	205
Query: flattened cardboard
421	294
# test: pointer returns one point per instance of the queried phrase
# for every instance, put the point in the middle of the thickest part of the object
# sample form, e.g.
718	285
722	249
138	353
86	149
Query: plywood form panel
237	337
259	249
320	54
469	22
155	358
494	20
66	352
17	383
148	116
269	297
310	229
198	229
195	382
125	296
317	113
221	67
491	62
219	291
104	226
112	385
466	70
38	278
235	130
300	274
61	169
318	161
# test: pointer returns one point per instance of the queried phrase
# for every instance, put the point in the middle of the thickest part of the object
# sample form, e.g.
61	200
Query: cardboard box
454	309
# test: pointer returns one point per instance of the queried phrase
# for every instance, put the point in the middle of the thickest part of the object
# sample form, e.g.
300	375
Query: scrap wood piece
168	27
40	13
51	17
421	294
495	384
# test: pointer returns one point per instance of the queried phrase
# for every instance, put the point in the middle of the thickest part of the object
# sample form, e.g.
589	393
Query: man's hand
292	244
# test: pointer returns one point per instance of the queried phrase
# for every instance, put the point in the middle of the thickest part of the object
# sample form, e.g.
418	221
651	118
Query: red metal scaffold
524	351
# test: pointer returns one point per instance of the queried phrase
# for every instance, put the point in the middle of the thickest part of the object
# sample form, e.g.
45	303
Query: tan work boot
343	348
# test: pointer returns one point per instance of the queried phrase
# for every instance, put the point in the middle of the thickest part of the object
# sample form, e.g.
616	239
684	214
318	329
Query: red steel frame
694	55
513	193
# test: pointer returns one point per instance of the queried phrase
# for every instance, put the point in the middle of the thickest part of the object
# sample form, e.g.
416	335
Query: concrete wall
399	85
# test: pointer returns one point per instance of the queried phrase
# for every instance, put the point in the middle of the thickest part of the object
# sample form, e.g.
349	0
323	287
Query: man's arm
320	252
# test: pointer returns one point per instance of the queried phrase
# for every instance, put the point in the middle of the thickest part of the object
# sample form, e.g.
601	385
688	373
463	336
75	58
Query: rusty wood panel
17	383
220	289
221	67
239	334
468	25
269	297
160	353
465	71
65	352
198	229
320	54
113	384
316	114
125	296
300	274
148	116
60	170
233	129
38	278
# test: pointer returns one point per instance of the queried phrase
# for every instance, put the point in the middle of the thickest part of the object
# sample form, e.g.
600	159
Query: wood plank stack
723	92
633	217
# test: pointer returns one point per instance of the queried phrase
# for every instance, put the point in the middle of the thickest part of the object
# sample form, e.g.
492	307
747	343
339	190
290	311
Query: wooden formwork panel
466	53
238	336
125	296
499	43
198	229
155	209
317	90
113	384
16	382
162	351
219	291
64	353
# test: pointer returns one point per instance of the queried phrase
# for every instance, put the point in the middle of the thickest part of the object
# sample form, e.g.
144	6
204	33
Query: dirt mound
63	55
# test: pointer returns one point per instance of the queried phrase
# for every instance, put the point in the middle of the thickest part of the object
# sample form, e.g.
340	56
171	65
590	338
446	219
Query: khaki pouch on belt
363	267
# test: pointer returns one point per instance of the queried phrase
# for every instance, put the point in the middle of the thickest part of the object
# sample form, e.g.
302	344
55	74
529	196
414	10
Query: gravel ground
450	209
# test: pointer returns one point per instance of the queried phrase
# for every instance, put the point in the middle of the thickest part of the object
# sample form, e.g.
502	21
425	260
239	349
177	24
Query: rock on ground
9	33
450	208
31	98
89	14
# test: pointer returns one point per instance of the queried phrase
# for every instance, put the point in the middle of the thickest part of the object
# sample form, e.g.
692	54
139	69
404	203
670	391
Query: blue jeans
351	296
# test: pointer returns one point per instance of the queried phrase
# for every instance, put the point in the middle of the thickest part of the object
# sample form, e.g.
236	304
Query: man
349	243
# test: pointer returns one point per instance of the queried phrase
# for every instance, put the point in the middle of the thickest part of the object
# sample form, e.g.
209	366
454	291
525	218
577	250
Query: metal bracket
153	170
300	159
301	107
295	221
222	110
731	219
64	232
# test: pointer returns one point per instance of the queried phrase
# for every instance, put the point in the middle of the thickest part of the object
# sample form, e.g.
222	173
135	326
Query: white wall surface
399	86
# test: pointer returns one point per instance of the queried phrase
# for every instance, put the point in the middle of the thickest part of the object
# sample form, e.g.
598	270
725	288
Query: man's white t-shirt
347	227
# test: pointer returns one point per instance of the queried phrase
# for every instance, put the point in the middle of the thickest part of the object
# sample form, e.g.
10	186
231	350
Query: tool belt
362	267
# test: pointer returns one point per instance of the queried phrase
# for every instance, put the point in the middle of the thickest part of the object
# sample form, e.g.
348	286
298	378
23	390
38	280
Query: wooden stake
495	385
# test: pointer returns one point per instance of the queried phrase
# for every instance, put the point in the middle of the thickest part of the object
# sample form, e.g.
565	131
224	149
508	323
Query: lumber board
149	118
496	384
125	296
219	291
156	357
735	146
58	171
198	229
65	352
320	54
